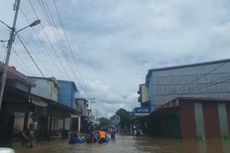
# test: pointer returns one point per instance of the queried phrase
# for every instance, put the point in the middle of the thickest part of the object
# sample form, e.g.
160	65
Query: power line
24	46
221	80
20	62
38	58
215	82
60	42
197	78
50	20
41	43
68	43
57	36
62	47
49	42
204	75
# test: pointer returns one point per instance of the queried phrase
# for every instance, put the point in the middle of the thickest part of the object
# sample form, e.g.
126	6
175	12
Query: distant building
204	80
90	114
82	106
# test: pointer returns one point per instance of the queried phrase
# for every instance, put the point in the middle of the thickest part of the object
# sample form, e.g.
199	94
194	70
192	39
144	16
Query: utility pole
9	46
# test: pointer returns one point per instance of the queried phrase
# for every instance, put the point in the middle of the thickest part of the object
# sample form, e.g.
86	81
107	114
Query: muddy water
130	144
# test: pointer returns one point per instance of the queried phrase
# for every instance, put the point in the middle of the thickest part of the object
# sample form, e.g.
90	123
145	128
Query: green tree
126	118
104	121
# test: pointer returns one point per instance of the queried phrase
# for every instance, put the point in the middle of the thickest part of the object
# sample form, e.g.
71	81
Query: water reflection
130	144
182	146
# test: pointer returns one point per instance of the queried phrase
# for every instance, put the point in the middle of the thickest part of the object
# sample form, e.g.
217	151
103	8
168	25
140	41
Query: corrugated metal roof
184	66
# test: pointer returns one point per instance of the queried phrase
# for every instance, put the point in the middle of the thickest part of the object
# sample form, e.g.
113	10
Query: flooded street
130	144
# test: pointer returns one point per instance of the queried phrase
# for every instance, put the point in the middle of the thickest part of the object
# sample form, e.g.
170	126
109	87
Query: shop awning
14	97
62	110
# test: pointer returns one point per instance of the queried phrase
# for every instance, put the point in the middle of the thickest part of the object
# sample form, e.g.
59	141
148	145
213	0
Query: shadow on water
130	144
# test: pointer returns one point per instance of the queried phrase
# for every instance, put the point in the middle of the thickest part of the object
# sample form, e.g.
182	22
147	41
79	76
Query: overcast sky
115	42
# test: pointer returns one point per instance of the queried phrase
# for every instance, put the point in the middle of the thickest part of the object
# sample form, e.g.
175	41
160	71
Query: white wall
45	88
42	88
82	106
144	93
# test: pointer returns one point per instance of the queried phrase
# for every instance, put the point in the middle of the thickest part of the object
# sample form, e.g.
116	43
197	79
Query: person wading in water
28	136
102	136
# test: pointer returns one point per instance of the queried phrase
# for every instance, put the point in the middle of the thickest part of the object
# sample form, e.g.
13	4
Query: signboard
141	111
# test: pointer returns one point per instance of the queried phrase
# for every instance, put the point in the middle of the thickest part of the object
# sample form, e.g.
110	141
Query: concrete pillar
79	124
223	121
25	125
64	124
50	122
199	119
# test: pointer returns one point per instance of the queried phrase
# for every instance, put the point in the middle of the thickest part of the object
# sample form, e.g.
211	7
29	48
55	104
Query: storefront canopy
18	100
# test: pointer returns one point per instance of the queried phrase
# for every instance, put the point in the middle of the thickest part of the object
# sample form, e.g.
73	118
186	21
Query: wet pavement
131	144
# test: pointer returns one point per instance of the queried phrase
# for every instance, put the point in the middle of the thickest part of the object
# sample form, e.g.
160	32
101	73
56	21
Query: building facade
82	106
82	121
46	87
15	100
66	92
58	91
66	96
191	118
204	80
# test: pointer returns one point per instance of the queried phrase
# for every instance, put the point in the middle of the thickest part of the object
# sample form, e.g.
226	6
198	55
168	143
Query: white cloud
117	41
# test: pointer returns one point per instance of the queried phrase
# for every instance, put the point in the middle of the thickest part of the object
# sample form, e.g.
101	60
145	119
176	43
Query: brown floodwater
131	144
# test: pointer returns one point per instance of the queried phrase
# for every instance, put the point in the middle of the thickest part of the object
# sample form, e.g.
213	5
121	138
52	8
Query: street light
36	22
13	33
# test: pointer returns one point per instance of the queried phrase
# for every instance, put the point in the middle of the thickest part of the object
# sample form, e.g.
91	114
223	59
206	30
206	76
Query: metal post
9	46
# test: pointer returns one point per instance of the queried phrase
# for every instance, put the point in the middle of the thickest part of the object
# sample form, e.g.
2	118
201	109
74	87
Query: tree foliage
104	121
125	118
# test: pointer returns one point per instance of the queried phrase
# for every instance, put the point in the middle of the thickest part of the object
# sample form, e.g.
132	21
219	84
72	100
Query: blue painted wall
66	93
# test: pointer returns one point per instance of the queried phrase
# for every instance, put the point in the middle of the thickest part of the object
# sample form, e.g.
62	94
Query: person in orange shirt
102	136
